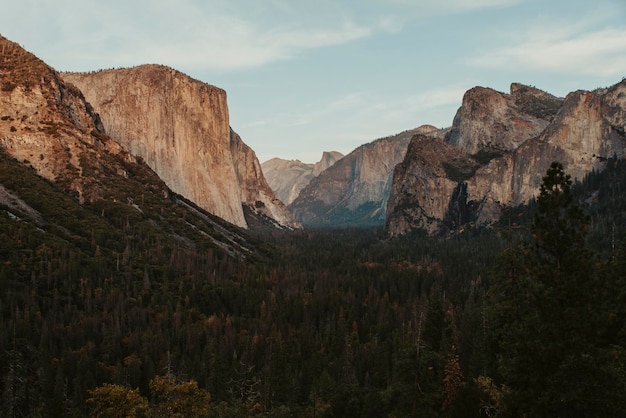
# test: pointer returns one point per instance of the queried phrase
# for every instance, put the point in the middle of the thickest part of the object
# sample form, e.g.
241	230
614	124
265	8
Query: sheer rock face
288	177
180	127
356	188
328	159
421	188
492	121
256	193
582	133
48	125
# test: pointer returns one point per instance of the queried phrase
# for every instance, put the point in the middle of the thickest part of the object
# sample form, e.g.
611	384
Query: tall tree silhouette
547	308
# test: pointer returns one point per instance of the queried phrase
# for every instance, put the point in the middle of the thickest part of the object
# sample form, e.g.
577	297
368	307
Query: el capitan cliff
180	127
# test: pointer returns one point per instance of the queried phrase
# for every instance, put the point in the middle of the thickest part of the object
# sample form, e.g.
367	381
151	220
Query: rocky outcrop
328	159
256	194
180	127
356	188
288	177
423	183
48	125
491	121
586	130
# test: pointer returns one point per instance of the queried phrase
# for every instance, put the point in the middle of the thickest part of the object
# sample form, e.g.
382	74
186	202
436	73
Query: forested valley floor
106	310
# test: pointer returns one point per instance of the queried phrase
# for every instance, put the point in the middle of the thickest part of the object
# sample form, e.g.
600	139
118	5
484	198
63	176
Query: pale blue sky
303	77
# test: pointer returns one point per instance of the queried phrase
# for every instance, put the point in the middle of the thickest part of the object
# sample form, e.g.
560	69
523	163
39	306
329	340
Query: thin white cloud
390	24
480	4
350	120
563	50
230	44
212	35
451	6
396	14
367	112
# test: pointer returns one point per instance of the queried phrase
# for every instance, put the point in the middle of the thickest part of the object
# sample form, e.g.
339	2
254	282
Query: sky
303	77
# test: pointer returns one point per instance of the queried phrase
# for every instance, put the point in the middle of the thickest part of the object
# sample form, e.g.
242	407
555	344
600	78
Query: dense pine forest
115	309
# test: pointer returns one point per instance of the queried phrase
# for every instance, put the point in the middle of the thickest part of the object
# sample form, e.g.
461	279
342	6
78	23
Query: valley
148	268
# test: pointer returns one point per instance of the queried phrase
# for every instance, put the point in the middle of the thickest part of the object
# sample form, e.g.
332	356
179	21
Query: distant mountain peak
288	177
355	189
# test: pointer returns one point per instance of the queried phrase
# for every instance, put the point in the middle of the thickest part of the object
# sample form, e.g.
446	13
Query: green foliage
459	170
544	107
116	293
483	156
559	226
548	308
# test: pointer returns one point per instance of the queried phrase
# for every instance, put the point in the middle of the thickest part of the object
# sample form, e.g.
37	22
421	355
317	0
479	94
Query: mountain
497	151
288	177
492	121
47	125
180	127
354	191
71	185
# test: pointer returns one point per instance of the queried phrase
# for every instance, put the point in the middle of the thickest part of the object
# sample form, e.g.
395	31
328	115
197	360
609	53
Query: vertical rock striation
503	146
256	194
180	127
496	122
356	188
421	187
288	177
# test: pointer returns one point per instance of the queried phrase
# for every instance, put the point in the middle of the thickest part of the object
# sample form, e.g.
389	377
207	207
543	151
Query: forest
109	311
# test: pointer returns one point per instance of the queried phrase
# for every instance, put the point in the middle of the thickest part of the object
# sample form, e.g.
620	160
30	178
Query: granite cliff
47	124
354	191
497	151
180	127
492	121
257	197
96	198
288	177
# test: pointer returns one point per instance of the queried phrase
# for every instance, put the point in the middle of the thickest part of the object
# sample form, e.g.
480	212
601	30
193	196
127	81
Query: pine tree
560	226
547	307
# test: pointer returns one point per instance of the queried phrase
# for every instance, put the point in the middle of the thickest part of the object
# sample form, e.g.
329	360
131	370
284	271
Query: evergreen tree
547	308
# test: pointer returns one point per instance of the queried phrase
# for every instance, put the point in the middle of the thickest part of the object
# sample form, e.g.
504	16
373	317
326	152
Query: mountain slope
47	124
492	121
288	177
582	133
423	184
96	195
355	189
180	127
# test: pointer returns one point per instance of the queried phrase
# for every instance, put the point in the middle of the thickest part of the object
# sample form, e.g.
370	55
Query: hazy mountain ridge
354	191
116	292
288	177
504	169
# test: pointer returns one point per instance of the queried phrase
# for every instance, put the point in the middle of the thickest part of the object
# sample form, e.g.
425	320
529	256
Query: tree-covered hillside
143	305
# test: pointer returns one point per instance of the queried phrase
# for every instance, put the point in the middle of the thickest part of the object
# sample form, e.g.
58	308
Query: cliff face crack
180	127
